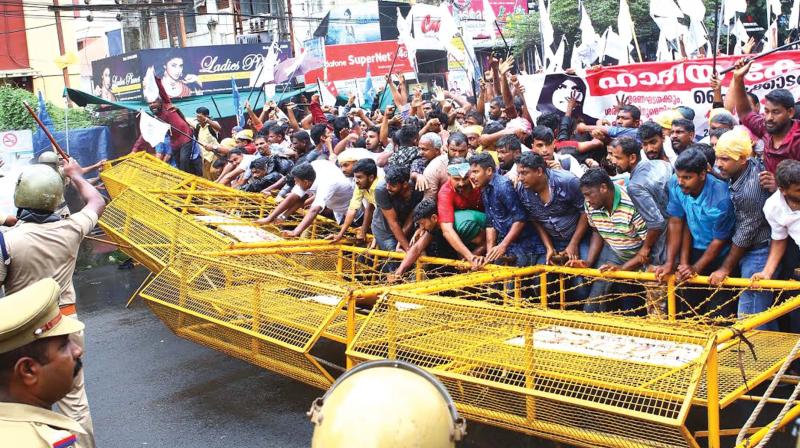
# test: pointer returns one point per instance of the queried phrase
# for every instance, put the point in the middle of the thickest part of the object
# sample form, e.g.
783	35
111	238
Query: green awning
224	101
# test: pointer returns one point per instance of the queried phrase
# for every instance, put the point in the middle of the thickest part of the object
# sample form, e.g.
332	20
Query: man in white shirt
782	211
238	167
329	187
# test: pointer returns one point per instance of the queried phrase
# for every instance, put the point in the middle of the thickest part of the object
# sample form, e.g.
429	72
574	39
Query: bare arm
413	254
93	199
292	119
397	230
736	91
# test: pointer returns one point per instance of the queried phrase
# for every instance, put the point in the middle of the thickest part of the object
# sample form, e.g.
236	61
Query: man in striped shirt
751	237
618	230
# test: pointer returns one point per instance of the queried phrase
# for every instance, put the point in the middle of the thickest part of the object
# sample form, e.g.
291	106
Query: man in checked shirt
751	236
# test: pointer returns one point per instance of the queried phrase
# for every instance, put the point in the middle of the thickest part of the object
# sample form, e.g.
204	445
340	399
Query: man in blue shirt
553	201
508	233
701	202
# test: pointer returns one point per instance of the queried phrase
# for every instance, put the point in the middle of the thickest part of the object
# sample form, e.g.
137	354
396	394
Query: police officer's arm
93	199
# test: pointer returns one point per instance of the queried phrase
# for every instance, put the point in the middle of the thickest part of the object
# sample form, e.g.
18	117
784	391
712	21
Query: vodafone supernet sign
350	61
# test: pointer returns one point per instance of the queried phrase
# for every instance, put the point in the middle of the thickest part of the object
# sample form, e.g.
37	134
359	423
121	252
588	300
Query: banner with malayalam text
656	86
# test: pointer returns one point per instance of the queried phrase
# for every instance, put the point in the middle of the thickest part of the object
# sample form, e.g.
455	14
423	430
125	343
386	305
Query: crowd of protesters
478	179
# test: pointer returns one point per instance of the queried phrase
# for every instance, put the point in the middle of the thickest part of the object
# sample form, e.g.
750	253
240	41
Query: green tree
524	28
13	115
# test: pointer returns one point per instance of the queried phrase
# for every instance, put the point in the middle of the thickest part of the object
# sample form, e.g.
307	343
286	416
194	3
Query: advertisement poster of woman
102	88
176	83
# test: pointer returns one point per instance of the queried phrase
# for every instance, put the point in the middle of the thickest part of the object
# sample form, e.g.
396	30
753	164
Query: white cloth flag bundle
625	28
557	63
489	19
265	70
733	7
612	46
153	130
546	28
794	15
404	26
587	52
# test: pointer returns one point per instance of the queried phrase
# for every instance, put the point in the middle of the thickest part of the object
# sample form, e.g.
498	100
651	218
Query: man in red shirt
183	150
776	127
460	211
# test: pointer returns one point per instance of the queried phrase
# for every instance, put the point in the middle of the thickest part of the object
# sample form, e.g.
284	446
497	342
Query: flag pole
761	55
391	70
219	114
46	132
636	41
715	47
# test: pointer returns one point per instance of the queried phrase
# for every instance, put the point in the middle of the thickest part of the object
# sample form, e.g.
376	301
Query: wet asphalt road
148	387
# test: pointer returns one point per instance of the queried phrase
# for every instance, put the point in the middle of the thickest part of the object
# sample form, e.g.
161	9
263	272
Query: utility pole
60	35
291	27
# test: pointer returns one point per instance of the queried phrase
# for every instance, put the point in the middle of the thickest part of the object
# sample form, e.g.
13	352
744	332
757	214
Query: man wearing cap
244	140
38	362
45	245
751	236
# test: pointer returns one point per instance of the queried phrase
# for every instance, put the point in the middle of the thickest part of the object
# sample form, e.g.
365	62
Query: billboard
350	61
353	23
184	72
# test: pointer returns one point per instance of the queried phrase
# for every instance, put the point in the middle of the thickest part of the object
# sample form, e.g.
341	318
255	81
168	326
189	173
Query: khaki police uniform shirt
22	425
45	250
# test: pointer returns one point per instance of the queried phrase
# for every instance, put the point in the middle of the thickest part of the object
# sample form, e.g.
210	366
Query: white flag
537	63
612	46
575	60
588	34
696	37
624	27
404	26
326	97
740	32
265	70
557	63
733	7
153	130
695	9
489	19
149	86
793	16
665	8
670	28
772	36
546	28
663	53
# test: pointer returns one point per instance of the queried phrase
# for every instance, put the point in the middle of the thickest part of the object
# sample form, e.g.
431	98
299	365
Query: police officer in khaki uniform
53	160
38	362
43	244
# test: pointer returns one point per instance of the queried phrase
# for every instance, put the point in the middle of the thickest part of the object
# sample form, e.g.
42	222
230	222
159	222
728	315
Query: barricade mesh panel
573	355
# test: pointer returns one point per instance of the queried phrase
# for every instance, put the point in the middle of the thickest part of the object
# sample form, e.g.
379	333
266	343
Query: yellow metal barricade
273	306
515	346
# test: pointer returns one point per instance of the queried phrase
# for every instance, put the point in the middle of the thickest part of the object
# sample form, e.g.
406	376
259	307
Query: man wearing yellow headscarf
751	236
